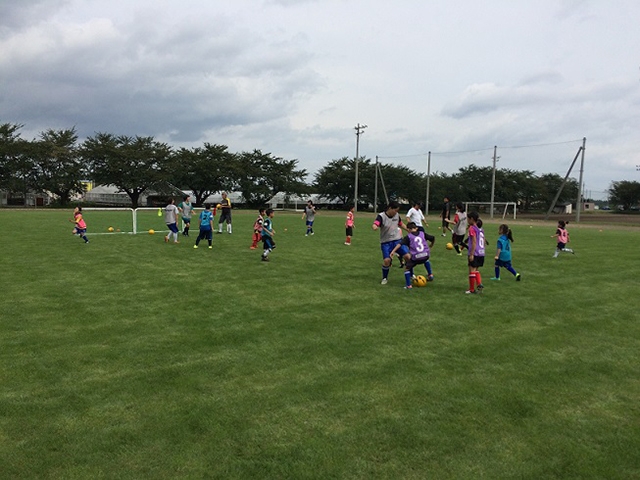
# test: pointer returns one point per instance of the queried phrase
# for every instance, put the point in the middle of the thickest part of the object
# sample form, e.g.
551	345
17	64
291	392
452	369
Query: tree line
57	163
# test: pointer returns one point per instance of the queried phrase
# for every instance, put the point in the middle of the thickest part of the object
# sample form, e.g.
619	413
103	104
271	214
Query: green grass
131	358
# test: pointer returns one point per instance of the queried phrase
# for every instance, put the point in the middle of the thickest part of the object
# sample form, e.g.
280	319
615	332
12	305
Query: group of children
413	250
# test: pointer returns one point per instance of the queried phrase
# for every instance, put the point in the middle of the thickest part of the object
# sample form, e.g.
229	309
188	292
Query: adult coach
416	216
445	215
389	224
225	216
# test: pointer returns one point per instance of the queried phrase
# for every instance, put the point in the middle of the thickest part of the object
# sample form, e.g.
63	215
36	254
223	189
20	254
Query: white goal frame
134	218
506	206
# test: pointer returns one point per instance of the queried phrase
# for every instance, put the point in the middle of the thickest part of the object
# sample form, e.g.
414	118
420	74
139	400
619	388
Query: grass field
131	358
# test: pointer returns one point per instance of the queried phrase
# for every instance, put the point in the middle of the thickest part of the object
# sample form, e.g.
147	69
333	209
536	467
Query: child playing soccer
419	251
267	235
389	224
459	228
503	254
562	234
80	228
476	252
206	226
171	219
349	225
257	229
186	207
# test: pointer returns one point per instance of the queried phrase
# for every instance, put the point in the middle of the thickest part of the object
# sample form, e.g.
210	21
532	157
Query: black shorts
268	243
477	262
349	231
225	216
412	263
457	239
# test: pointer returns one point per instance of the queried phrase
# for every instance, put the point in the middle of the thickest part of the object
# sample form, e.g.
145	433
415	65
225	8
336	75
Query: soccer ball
110	229
419	281
152	231
449	246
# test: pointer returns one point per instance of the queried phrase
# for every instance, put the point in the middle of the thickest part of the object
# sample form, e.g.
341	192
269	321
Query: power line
481	149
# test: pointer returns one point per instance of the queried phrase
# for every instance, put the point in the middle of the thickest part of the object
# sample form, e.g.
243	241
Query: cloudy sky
294	77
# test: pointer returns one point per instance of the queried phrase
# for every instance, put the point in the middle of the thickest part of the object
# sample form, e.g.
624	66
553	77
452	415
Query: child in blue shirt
206	226
503	254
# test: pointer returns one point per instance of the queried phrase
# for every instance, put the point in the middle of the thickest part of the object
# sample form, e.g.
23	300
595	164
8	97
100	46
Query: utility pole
579	200
426	200
493	178
359	131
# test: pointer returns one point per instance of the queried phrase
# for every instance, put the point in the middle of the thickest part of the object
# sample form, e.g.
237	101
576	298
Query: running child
503	253
206	226
349	225
389	224
171	219
80	228
267	235
186	207
562	234
419	251
459	228
476	252
257	229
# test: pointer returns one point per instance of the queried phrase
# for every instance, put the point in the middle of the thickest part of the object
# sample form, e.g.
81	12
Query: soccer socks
86	240
385	272
427	265
497	272
228	228
407	278
457	247
478	277
472	281
512	270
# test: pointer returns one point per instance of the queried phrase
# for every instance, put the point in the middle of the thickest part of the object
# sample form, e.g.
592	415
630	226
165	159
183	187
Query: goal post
499	207
122	220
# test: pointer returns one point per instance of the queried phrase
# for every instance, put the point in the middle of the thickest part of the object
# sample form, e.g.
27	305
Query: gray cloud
140	79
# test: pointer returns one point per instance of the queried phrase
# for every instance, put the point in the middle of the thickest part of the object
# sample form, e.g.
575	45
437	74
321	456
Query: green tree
549	184
625	193
58	167
17	165
259	176
335	181
133	164
203	170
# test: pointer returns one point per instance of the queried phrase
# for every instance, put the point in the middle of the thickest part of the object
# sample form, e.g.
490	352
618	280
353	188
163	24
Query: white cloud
293	77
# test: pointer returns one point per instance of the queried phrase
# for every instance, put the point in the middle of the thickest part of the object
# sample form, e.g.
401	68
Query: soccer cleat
470	292
444	235
347	243
265	259
210	247
408	287
459	254
479	288
518	277
498	278
195	246
383	282
430	278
